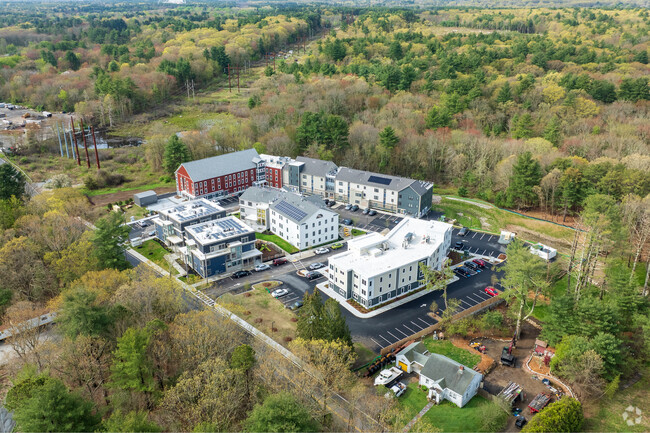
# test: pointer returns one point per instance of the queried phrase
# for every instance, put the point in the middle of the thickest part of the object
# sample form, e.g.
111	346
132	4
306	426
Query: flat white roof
190	210
373	254
216	230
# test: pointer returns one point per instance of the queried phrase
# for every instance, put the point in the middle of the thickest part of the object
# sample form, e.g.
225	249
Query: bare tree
24	322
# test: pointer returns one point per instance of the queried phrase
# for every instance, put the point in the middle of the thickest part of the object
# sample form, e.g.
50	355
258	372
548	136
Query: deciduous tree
281	413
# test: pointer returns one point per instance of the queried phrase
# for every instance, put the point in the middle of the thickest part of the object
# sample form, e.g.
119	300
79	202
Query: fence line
427	331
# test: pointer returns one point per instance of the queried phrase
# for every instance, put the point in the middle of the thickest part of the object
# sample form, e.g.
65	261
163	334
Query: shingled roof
227	163
448	373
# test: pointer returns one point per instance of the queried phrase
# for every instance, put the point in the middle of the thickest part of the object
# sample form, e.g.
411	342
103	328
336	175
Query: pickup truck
387	376
398	389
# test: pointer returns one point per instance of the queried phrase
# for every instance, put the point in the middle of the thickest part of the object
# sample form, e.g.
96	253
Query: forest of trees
542	110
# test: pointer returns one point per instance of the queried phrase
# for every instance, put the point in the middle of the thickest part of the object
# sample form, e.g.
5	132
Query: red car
479	262
491	291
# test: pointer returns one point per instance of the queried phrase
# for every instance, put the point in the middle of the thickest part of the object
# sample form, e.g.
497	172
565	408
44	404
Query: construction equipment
507	358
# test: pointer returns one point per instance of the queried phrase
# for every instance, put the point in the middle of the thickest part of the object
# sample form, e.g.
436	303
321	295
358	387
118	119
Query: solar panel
379	180
291	211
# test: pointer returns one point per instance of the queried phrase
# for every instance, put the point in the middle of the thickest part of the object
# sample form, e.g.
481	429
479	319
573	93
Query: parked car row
329	203
470	268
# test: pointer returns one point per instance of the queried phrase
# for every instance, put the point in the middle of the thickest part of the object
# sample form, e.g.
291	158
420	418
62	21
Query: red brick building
276	173
220	176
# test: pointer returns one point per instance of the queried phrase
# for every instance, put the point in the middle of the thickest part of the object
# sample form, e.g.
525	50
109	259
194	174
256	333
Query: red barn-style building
221	176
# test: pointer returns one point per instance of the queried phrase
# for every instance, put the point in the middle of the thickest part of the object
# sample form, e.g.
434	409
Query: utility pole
83	134
95	144
65	141
74	135
238	78
58	135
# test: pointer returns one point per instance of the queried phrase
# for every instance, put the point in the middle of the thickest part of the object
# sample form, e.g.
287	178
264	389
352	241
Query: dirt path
104	199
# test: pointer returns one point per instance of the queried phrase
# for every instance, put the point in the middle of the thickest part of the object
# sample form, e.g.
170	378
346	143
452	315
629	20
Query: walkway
411	423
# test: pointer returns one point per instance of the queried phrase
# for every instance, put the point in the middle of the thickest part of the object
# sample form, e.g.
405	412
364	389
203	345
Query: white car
316	265
262	267
279	292
322	251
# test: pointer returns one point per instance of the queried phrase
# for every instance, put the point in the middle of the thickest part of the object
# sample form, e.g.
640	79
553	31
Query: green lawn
357	232
446	417
156	253
446	348
278	241
412	402
450	418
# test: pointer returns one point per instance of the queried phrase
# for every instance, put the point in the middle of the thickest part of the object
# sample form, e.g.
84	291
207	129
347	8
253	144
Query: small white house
445	378
547	253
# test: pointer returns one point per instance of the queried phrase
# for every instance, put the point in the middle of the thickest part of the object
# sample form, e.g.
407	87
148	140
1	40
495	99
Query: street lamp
272	325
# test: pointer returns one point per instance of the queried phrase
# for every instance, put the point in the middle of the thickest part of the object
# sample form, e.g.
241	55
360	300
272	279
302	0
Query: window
363	282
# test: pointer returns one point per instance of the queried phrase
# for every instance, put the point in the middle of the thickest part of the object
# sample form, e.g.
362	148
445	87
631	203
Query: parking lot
377	223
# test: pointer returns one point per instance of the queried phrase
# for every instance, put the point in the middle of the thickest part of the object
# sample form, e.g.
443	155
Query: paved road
383	330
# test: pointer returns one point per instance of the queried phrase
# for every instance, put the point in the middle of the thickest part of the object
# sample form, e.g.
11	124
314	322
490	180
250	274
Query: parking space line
483	235
375	341
424	321
408	328
472	297
384	339
416	325
465	302
474	235
392	335
401	332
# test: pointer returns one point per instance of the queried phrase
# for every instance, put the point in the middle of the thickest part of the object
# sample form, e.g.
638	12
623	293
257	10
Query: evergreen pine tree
552	131
505	94
175	154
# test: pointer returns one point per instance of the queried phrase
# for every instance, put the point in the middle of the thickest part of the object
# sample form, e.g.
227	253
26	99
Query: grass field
278	241
258	304
364	355
450	418
494	220
607	414
446	348
446	417
156	253
357	232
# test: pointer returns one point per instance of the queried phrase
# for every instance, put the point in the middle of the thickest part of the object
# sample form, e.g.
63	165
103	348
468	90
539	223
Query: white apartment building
303	221
378	268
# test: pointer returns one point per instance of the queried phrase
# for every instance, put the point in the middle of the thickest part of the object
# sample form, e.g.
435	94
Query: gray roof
415	352
144	194
421	187
258	194
378	180
227	163
316	167
440	367
298	208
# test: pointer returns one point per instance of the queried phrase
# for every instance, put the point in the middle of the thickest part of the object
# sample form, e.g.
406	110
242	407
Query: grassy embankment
494	220
156	253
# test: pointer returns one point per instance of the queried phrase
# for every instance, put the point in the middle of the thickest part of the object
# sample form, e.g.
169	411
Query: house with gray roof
445	378
171	223
220	176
